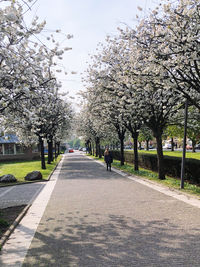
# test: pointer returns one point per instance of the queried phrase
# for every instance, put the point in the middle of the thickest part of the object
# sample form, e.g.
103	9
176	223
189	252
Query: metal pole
184	145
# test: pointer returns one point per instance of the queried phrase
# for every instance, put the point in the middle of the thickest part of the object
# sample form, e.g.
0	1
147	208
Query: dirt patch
8	216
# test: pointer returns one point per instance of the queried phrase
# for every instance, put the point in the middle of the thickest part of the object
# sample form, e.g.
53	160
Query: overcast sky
90	21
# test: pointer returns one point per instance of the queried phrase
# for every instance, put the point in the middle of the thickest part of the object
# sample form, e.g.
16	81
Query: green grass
3	223
20	168
192	155
170	182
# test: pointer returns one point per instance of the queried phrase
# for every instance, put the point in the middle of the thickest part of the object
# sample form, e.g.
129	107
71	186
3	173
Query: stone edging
184	196
13	226
22	214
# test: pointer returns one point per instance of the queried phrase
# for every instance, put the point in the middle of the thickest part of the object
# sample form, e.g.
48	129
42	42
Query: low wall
28	156
172	164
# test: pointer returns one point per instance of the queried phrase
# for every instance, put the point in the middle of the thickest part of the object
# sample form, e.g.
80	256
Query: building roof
9	139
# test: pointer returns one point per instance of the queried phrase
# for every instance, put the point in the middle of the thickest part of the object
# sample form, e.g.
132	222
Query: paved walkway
20	194
96	218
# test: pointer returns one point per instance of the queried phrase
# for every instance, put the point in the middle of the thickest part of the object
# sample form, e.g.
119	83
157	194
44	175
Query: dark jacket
108	158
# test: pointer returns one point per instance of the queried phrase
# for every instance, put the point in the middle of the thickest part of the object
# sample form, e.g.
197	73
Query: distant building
10	148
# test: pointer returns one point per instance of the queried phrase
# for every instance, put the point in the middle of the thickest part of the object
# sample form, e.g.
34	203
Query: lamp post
184	145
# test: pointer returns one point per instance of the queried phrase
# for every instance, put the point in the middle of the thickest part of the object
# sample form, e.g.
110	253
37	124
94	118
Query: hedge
172	165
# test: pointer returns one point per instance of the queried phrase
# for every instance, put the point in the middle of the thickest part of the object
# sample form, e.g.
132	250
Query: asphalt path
97	218
23	194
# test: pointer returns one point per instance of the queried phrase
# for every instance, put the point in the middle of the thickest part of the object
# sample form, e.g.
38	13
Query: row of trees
30	102
142	77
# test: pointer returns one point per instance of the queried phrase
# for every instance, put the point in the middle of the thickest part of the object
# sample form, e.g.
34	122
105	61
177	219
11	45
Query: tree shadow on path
113	240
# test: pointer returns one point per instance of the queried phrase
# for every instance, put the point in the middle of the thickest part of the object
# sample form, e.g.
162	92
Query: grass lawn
189	154
20	168
153	176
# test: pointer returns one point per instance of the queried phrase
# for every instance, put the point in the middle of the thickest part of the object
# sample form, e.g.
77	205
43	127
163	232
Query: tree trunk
193	146
97	146
92	149
55	150
43	165
147	145
122	149
140	145
50	151
100	154
172	144
161	171
58	145
135	147
121	134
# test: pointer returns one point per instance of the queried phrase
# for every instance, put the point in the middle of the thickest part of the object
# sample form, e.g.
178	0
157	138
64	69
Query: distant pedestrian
108	158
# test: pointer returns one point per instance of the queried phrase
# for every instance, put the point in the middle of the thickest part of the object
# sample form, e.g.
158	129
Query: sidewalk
86	216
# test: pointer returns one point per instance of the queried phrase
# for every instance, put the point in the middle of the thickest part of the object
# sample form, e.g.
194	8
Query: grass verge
170	182
189	154
20	169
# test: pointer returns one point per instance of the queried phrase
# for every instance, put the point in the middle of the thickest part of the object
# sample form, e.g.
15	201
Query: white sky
90	21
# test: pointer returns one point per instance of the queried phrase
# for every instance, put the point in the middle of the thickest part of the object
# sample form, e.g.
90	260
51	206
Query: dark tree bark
97	141
50	151
172	144
58	147
92	149
147	145
55	150
135	148
193	146
121	134
134	130
100	154
122	151
161	170
43	165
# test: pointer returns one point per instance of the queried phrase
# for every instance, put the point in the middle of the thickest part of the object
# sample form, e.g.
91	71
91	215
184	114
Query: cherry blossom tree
45	117
178	46
23	57
138	76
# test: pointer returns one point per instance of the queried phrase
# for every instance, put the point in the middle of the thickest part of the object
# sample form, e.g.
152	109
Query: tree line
31	104
141	78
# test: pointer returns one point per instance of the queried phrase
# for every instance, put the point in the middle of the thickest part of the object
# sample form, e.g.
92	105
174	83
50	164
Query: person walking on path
108	158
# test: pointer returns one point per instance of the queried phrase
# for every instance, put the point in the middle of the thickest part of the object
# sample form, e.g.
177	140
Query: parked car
70	150
197	146
151	147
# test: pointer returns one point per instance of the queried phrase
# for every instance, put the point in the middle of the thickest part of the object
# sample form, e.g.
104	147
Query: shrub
172	165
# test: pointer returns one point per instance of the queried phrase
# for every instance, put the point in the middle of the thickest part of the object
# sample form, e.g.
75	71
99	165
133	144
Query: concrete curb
54	169
173	192
22	214
13	226
15	249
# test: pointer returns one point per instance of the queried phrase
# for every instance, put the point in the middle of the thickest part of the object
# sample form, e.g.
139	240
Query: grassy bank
20	168
191	155
153	176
